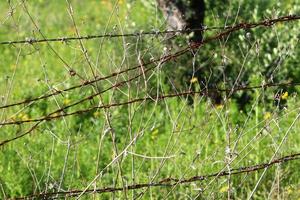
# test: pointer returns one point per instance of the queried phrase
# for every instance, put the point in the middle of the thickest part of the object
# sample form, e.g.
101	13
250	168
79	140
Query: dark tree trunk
188	15
184	14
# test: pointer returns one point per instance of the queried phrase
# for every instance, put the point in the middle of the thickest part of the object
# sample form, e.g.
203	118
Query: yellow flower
224	189
289	190
66	101
96	114
154	134
267	115
219	106
194	80
25	117
285	95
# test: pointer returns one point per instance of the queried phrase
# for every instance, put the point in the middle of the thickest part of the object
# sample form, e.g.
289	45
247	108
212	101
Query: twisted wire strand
231	29
203	92
90	37
168	182
193	46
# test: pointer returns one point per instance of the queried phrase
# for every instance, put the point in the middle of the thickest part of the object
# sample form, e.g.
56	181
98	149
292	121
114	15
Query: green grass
193	137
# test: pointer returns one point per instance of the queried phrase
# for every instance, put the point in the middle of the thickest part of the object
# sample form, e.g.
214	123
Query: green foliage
68	153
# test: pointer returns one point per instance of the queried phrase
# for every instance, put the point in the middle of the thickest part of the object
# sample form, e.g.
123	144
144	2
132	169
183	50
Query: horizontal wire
168	57
193	46
135	34
203	92
168	182
90	37
89	82
172	181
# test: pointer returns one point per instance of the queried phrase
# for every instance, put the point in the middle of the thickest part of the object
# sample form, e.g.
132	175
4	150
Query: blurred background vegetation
68	153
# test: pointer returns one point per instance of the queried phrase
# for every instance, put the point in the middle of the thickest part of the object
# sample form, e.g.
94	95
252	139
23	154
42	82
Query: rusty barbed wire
30	40
265	23
162	60
167	182
166	58
203	92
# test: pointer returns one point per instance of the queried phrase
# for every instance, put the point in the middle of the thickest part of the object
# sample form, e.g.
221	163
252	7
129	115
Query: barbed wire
163	59
166	58
203	92
30	40
193	46
54	116
168	182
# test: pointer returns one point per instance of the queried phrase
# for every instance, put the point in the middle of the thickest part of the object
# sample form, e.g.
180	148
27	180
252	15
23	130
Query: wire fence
143	69
170	182
204	92
266	23
166	58
91	37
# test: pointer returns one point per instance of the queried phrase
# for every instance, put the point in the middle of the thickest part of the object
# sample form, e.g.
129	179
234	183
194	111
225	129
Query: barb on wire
89	82
165	58
168	182
203	92
142	33
265	23
90	37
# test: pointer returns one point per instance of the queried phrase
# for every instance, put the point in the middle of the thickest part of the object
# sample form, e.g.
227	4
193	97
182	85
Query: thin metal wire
30	40
265	23
203	92
168	182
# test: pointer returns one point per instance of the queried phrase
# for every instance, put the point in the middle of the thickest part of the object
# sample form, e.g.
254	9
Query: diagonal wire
166	58
203	92
265	23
